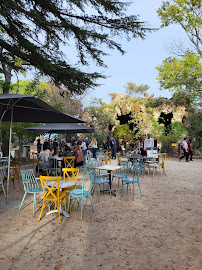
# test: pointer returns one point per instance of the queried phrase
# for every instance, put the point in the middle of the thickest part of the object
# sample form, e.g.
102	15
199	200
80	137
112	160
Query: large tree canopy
188	14
182	76
36	30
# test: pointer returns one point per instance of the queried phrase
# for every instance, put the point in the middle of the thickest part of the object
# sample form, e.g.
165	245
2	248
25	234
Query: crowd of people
78	148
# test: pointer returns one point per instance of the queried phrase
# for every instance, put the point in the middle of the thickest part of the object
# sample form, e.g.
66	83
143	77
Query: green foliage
123	131
182	76
157	130
24	23
19	131
174	136
34	88
134	90
186	13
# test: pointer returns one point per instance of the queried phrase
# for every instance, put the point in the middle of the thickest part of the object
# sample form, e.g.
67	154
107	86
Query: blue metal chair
53	167
127	181
86	163
100	179
31	185
83	193
121	162
122	173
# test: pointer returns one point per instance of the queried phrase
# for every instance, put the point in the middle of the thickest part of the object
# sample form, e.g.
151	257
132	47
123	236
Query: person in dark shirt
190	149
105	145
39	145
87	142
55	146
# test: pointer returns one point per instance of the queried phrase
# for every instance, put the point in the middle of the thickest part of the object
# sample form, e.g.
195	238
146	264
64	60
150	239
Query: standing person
87	142
73	141
79	142
39	146
55	146
185	150
142	146
159	146
83	147
94	146
155	142
137	146
105	145
123	148
78	156
148	142
109	144
190	149
114	147
45	145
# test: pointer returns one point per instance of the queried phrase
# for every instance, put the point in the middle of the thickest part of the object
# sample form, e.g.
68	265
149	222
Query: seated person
78	156
68	152
44	157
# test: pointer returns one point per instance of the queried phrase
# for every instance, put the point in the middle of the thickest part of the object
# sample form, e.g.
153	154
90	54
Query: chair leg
133	192
19	183
127	189
22	200
118	181
122	189
43	206
91	203
68	207
81	207
110	191
3	190
140	189
98	187
34	202
58	207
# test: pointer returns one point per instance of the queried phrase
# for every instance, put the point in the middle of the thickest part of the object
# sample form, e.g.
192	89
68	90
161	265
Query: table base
62	211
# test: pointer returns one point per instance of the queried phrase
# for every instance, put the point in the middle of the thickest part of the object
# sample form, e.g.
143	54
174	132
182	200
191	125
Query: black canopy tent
24	108
63	128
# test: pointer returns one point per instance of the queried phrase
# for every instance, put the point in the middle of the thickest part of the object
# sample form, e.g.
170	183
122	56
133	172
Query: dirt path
157	231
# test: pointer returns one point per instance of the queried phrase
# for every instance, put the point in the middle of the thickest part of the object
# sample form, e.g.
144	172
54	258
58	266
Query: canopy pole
9	154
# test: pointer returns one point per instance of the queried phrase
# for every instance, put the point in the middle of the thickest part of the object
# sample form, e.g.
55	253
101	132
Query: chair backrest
50	190
108	155
52	162
29	180
87	159
71	174
93	164
92	176
69	162
3	170
136	171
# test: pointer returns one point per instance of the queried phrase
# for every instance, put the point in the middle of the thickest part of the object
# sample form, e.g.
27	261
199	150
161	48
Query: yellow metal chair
69	162
52	194
107	157
33	157
70	175
15	173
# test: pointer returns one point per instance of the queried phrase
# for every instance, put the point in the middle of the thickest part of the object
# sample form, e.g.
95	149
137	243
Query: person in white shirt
45	155
83	147
148	142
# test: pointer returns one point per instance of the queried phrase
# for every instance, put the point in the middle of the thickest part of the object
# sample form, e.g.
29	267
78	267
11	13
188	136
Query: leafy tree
188	14
35	32
182	76
134	90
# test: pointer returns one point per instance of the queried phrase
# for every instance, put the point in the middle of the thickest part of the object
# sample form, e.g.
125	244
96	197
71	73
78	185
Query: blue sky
138	64
142	56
